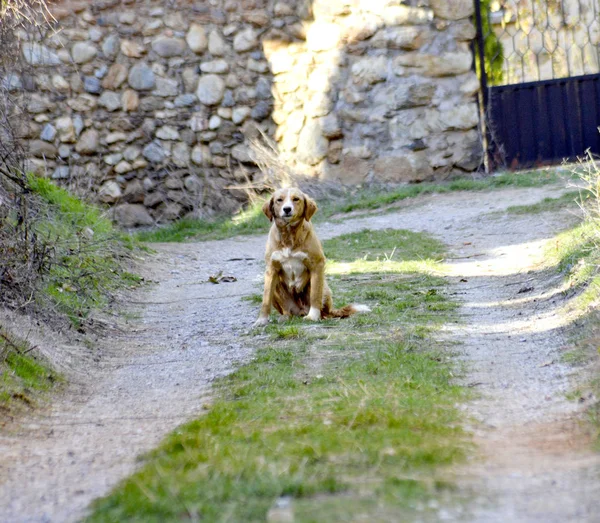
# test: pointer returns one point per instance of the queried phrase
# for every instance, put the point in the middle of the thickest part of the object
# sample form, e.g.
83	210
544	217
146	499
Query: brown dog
295	276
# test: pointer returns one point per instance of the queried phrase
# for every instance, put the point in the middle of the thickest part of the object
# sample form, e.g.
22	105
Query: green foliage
492	48
570	198
345	417
23	376
86	254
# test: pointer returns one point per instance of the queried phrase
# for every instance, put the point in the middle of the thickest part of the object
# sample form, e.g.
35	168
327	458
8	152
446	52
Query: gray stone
263	89
92	85
371	70
241	154
168	47
261	111
110	100
193	184
133	215
153	152
111	46
167	132
245	40
153	199
185	100
166	87
393	169
239	114
181	154
330	126
48	133
312	145
196	39
64	151
123	167
113	159
130	100
83	52
110	192
42	149
62	172
216	44
12	82
169	211
141	77
409	38
214	122
452	9
66	129
258	66
210	89
39	55
228	100
117	74
190	79
200	155
101	71
216	66
134	192
88	142
132	153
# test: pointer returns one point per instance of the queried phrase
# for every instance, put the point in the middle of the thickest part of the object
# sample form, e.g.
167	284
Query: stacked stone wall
148	105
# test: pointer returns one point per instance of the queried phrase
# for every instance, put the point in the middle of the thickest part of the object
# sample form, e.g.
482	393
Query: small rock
153	152
168	47
48	133
37	54
60	84
132	153
88	142
245	40
181	154
132	215
110	100
113	159
216	66
214	122
167	133
111	46
240	153
196	39
64	151
92	85
166	87
110	192
62	172
185	100
210	89
66	129
83	52
141	77
42	149
216	44
239	114
123	167
132	49
261	111
116	75
130	100
115	137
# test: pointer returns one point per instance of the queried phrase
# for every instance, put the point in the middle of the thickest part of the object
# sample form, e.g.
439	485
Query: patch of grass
253	298
252	221
568	199
85	253
23	375
344	417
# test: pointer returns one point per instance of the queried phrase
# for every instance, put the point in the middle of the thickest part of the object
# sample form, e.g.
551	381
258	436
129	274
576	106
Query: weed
344	417
569	199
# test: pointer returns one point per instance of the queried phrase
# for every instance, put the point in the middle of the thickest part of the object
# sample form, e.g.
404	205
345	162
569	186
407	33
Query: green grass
24	377
569	199
85	253
252	221
348	418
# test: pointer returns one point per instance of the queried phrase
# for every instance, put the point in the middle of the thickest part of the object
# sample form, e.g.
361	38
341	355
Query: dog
295	263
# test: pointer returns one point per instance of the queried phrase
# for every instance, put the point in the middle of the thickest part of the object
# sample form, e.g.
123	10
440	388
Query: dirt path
156	371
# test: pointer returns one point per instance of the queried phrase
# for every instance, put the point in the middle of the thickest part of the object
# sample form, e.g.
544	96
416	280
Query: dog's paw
261	322
314	314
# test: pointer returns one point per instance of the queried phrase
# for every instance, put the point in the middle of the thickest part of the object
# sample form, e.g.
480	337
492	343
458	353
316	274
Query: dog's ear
268	209
310	208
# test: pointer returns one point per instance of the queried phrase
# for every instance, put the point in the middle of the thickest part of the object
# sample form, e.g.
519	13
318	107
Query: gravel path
155	371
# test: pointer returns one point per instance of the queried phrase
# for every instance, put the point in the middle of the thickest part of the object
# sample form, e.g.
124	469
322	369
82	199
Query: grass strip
251	220
336	420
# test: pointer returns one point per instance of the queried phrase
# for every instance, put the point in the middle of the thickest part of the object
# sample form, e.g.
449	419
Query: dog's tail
346	311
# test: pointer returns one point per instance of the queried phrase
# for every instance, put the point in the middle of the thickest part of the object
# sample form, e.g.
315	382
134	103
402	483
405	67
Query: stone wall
146	105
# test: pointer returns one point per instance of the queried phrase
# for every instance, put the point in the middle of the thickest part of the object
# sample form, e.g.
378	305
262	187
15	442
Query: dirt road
156	368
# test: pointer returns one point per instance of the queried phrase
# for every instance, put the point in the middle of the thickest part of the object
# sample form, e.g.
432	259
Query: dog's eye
296	199
279	200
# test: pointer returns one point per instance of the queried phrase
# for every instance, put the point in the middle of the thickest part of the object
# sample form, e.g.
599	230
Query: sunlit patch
382	266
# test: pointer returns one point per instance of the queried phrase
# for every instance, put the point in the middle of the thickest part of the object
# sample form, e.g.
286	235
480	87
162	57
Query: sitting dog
295	275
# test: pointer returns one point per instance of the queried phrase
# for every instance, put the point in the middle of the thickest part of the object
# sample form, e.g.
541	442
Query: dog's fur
295	275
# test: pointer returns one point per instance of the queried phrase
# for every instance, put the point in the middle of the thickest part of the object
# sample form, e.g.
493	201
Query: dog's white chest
292	266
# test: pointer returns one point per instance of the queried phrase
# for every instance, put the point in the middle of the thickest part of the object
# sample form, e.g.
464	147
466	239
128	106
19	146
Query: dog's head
289	206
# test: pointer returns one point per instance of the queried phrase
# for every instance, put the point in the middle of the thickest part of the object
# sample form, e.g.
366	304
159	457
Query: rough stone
210	89
181	154
371	70
330	126
60	84
216	44
134	192
239	114
312	145
154	153
196	39
88	142
123	167
83	103
245	40
113	159
111	46
261	111
48	133
42	149
452	9
39	55
241	154
185	100
133	215
132	49
393	169
62	172
83	52
66	129
166	87
167	133
141	77
110	100
110	192
168	47
216	66
200	155
130	101
116	75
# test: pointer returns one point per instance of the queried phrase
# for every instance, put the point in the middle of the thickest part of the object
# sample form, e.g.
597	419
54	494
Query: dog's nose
287	210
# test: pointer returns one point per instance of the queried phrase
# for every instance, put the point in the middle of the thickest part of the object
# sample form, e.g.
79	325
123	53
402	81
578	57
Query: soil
153	367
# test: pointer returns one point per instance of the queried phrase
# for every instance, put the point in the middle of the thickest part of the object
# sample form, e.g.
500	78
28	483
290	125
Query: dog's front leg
271	281
317	280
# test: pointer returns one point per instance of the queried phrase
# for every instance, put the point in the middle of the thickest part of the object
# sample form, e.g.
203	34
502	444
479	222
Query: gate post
483	95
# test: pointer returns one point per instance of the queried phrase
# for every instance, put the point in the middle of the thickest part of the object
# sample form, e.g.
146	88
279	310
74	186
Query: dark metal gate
539	65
